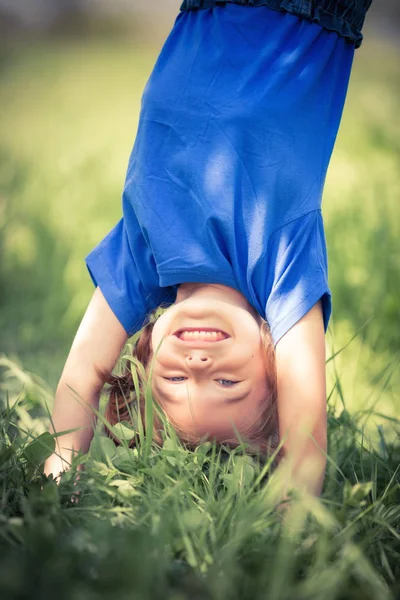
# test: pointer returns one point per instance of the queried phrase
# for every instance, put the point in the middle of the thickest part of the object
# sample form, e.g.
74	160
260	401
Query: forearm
72	410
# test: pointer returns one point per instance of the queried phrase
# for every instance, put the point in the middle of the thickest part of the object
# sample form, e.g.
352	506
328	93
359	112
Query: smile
201	334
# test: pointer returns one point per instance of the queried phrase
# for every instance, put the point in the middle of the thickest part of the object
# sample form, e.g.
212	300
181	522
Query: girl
222	226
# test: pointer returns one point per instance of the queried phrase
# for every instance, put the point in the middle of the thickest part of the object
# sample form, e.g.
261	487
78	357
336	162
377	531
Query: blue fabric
224	185
346	17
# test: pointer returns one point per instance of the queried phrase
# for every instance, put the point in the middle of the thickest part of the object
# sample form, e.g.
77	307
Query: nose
197	361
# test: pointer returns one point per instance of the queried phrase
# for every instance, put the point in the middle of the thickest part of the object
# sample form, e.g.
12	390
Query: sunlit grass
165	522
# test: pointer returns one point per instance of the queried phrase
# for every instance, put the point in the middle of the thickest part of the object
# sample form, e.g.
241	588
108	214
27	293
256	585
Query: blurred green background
71	81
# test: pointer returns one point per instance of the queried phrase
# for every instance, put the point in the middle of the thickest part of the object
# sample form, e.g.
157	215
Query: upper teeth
201	334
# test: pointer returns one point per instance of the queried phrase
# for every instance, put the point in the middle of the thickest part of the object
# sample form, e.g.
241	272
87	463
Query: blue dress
224	183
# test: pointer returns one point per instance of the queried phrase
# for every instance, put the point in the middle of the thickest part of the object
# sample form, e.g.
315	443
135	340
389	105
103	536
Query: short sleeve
123	268
298	276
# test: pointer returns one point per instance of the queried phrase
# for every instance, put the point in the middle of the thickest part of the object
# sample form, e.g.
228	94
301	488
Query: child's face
202	397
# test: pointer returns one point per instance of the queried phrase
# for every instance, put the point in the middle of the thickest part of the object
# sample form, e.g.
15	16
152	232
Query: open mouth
201	334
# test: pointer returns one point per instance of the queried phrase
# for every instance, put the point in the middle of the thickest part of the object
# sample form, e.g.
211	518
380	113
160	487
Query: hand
56	464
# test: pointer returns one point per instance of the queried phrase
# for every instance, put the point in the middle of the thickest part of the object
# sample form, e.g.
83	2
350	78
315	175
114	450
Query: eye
226	382
229	382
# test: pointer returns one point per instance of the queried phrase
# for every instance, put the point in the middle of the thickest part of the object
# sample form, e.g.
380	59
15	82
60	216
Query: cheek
257	369
159	331
179	416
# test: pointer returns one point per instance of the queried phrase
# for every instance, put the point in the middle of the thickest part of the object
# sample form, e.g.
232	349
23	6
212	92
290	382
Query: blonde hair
261	435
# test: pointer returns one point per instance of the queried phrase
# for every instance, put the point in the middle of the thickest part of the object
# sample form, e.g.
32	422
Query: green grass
167	523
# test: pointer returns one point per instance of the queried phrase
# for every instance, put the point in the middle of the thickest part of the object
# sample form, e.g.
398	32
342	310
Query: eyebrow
228	400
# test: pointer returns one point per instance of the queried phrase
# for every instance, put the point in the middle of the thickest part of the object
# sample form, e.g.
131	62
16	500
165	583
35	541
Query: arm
98	343
300	359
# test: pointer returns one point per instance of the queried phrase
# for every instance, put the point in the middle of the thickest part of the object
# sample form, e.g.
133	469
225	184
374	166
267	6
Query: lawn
168	523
